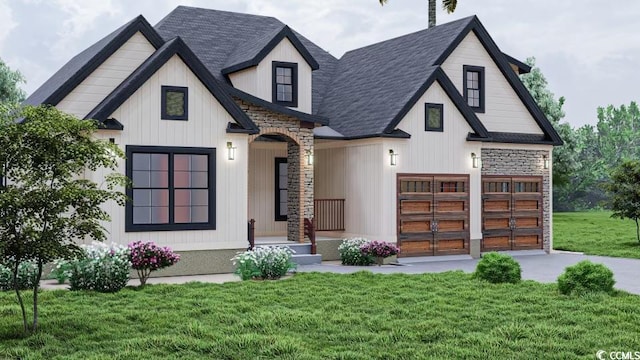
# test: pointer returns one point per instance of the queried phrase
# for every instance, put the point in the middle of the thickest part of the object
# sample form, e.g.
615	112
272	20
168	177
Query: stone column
295	229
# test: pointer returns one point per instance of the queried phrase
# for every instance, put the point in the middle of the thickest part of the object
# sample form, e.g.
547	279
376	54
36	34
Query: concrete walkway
542	268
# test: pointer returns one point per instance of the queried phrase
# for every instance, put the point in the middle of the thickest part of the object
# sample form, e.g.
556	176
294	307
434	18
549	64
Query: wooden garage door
433	214
511	213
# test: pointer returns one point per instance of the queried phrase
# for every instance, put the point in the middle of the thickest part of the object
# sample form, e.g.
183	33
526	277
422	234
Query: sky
587	49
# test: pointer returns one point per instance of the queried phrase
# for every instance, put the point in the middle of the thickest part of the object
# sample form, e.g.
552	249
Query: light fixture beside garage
475	160
393	157
545	161
231	151
309	155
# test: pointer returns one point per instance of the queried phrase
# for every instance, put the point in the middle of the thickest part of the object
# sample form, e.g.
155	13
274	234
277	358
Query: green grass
326	316
595	233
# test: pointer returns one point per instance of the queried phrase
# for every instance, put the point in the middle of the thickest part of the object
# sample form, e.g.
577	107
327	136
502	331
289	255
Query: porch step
302	253
298	248
307	259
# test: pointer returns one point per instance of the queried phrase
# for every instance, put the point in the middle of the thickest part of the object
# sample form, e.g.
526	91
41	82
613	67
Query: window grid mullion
171	190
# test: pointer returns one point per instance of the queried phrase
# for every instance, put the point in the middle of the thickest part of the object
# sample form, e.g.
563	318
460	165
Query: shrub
103	268
61	271
27	275
147	257
586	277
268	262
350	253
498	268
381	249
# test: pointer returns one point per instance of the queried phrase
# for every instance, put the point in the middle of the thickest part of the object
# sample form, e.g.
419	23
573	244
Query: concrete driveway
542	268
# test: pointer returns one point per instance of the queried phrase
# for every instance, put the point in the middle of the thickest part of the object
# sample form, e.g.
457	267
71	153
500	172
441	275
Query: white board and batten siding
258	80
92	90
434	152
504	111
262	157
353	171
205	127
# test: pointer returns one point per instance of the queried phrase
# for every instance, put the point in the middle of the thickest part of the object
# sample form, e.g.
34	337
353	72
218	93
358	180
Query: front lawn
326	316
595	233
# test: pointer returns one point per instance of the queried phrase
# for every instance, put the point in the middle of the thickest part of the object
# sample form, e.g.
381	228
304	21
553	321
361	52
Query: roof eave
302	116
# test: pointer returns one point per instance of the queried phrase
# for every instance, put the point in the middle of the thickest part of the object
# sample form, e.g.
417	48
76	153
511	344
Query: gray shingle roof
365	93
372	84
218	38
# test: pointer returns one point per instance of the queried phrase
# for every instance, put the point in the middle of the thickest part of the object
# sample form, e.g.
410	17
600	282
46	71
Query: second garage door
511	213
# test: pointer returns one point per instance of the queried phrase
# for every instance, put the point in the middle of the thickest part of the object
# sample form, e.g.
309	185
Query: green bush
586	277
103	268
268	262
350	252
498	268
27	275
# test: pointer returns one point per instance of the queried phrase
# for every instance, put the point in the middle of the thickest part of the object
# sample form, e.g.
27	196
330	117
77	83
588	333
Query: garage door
433	214
511	213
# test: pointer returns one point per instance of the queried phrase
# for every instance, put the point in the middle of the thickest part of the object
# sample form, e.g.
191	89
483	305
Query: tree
624	188
448	5
564	156
45	204
9	81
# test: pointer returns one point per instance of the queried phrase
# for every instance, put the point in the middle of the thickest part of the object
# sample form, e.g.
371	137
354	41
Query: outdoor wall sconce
545	161
231	151
475	160
393	157
309	155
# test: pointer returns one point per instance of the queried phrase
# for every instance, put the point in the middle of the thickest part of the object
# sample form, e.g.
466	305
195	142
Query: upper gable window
285	84
433	117
175	103
473	80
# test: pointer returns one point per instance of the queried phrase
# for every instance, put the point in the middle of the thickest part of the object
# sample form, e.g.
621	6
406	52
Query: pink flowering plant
147	257
379	249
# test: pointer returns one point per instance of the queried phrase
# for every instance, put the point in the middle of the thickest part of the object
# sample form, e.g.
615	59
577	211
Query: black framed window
173	188
473	80
433	117
281	189
285	84
175	103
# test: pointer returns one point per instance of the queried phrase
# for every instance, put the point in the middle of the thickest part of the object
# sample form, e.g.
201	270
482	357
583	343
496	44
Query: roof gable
251	53
215	35
501	60
439	76
172	47
58	86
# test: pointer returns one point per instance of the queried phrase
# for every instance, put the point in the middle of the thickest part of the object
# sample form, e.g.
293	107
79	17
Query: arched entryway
280	183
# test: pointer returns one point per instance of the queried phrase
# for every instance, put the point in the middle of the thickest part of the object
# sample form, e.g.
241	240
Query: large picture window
285	84
173	188
473	80
282	189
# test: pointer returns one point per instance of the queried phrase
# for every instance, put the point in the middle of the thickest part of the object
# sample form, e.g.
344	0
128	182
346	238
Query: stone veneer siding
300	183
518	162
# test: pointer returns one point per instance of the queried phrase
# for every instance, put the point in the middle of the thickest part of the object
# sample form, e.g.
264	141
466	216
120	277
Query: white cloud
80	17
7	23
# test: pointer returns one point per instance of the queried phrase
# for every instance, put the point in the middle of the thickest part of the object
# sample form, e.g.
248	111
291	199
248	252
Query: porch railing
310	231
251	227
329	214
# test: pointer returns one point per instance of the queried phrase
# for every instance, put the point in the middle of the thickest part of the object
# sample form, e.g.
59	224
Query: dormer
275	67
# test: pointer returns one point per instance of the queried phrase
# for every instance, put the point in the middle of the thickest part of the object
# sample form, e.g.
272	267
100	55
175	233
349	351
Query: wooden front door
433	214
511	213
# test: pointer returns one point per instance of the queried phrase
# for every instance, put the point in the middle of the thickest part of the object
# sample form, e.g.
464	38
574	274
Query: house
429	140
